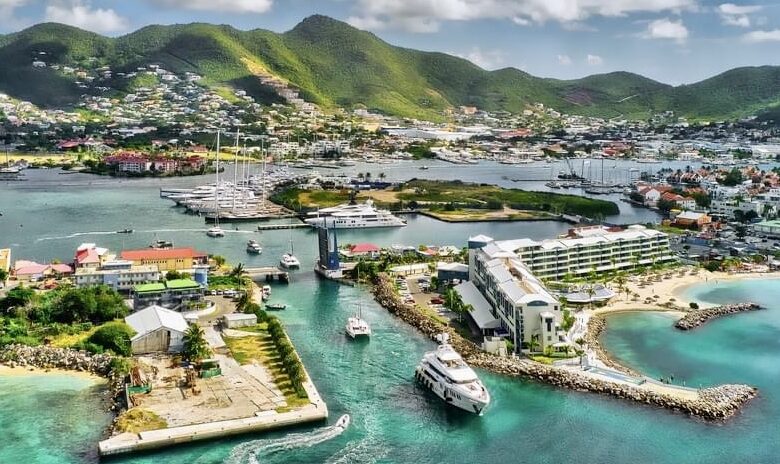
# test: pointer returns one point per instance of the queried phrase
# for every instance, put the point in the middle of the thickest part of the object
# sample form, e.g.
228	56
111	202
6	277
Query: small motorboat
161	244
215	231
125	231
275	307
343	422
253	247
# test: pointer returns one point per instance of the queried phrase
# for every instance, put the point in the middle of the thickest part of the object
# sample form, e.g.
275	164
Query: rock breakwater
697	317
49	357
711	403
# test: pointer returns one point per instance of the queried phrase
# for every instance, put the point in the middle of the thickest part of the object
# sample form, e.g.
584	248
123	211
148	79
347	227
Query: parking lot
416	289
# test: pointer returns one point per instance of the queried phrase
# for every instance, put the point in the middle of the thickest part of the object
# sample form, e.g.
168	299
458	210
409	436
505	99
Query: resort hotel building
508	300
591	249
508	297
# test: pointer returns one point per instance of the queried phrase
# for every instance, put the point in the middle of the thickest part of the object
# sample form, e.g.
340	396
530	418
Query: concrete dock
127	442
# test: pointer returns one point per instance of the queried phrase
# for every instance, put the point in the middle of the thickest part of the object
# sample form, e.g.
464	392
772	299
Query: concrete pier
127	442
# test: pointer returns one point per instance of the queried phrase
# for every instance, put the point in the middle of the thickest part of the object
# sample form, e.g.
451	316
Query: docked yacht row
354	216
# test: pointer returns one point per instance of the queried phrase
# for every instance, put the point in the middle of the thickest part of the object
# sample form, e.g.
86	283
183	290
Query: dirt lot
242	391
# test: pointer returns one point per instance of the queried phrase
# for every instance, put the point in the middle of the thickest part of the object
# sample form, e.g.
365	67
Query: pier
283	226
267	274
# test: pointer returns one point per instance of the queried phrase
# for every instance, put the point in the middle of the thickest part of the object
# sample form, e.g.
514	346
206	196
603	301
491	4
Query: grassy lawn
139	420
259	328
261	349
65	340
488	215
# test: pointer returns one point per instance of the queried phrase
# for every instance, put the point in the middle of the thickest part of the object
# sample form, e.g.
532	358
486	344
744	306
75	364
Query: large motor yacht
357	216
446	374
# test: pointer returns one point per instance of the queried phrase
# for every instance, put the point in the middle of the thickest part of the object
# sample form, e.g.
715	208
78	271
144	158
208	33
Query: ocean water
393	420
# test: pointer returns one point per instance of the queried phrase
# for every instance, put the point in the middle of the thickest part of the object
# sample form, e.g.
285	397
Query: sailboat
216	231
357	327
289	261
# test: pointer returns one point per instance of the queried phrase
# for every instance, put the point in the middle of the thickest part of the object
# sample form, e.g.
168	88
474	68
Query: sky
672	41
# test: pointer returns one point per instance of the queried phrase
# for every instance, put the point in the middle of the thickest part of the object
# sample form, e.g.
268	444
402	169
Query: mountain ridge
335	64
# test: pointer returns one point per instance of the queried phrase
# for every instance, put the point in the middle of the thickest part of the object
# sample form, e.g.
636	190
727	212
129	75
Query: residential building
30	271
591	249
768	228
170	259
119	275
89	255
129	162
177	294
157	329
507	299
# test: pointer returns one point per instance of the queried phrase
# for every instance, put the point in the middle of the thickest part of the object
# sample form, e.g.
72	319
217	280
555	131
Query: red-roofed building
167	259
32	271
364	250
129	162
88	255
681	201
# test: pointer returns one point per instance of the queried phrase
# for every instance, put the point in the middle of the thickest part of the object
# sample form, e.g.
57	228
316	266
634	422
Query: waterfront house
170	259
364	250
129	162
89	255
157	329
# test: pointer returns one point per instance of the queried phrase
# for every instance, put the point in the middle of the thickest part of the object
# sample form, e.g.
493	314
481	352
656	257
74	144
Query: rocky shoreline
697	317
49	357
711	403
596	325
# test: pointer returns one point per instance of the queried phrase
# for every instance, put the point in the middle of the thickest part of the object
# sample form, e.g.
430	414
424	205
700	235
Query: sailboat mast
216	188
235	168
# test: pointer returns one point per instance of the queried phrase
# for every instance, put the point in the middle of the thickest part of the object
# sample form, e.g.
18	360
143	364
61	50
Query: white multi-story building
592	249
508	299
119	275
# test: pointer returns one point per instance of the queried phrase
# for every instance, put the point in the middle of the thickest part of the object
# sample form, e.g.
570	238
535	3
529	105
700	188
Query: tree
3	276
665	205
238	272
173	275
195	346
620	280
219	260
534	344
733	178
113	336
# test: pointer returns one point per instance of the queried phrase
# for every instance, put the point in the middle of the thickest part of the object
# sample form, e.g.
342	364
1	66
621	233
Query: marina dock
283	226
267	274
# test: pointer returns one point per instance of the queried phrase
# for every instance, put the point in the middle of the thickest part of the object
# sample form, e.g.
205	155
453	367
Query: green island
457	201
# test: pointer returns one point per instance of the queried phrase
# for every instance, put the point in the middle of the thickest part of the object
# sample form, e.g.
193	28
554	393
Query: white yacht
450	378
358	216
289	261
253	247
215	231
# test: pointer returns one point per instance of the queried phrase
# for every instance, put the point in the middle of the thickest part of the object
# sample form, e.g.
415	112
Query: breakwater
697	317
713	403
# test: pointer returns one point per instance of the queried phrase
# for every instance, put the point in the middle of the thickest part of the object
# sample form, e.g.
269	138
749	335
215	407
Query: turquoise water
50	419
393	420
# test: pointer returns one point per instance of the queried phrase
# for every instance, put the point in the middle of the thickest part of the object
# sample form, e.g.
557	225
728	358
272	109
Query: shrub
694	305
113	336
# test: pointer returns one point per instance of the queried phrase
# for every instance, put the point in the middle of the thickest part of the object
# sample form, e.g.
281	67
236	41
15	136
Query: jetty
697	317
267	274
714	403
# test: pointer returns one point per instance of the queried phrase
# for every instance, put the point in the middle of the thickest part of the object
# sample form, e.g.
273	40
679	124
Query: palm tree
591	291
195	346
621	282
534	344
238	272
382	175
360	175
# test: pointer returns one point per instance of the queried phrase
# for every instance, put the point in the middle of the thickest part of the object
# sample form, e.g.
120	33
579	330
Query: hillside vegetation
334	64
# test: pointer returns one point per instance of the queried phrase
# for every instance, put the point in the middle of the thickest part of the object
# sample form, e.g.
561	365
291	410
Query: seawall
713	403
697	317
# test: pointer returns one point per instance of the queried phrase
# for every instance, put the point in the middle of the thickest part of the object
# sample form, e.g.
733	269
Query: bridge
267	274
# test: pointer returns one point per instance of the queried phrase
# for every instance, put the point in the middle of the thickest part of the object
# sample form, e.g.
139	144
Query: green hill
334	64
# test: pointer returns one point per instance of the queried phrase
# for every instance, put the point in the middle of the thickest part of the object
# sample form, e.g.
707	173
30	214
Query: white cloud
81	14
666	29
412	14
7	13
231	6
737	15
594	60
762	36
485	59
564	60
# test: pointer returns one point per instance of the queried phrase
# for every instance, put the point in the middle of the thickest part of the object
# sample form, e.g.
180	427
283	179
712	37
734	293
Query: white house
157	329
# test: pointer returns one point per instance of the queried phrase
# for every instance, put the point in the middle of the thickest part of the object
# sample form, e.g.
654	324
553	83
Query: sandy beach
649	293
29	371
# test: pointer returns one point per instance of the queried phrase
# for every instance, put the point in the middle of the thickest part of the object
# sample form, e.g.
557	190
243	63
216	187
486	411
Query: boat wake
249	452
150	231
365	451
